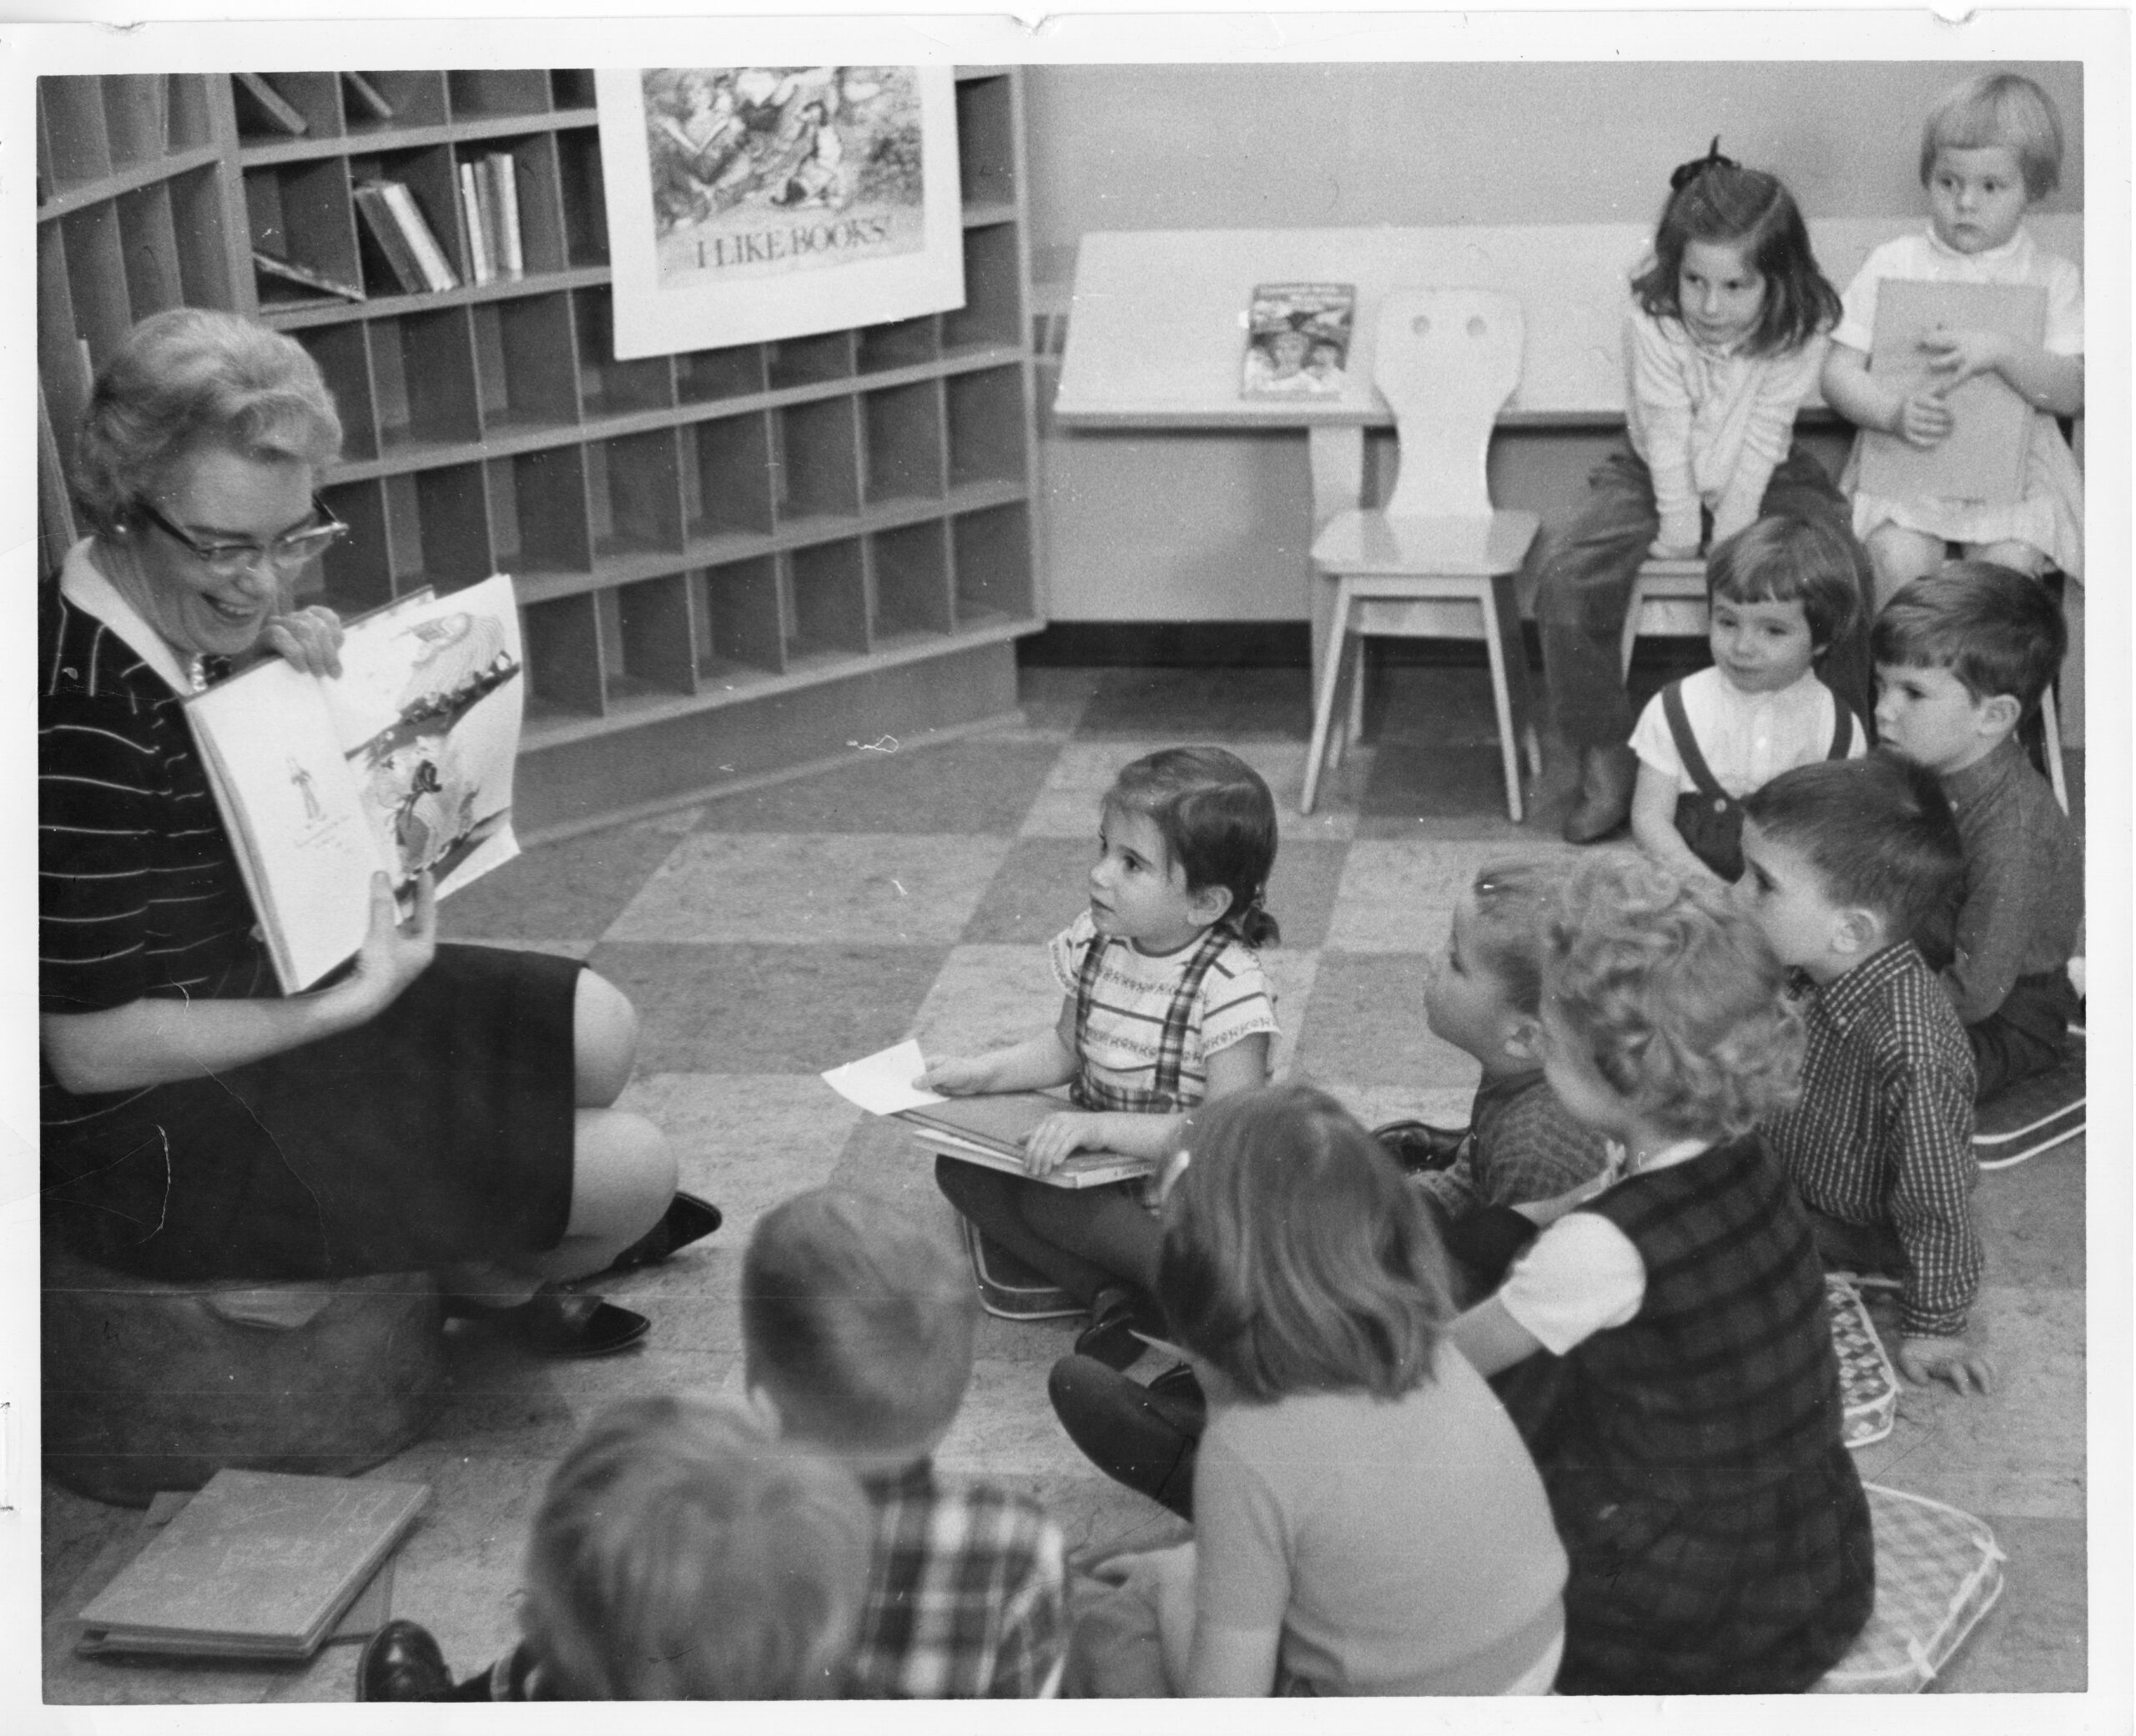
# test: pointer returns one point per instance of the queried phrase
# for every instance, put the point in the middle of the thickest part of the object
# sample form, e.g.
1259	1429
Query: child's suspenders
1710	820
1162	1097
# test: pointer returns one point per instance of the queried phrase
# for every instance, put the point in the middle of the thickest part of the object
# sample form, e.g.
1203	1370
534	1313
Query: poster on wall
758	202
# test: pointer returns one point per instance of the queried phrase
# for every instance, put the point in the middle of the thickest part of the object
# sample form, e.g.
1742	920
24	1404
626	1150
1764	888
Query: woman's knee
604	1040
623	1174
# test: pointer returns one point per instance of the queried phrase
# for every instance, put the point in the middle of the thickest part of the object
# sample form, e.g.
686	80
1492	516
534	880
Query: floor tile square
745	1142
987	996
1040	886
976	784
1365	1027
571	890
1224	705
767	1008
813	889
1401	897
2034	1640
1068	805
2021	1449
2032	1220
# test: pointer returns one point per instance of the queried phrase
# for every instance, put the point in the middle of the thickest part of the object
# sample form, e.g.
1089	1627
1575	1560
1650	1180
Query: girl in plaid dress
1664	1345
1164	1007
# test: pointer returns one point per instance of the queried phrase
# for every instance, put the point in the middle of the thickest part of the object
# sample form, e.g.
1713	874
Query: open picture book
403	763
989	1129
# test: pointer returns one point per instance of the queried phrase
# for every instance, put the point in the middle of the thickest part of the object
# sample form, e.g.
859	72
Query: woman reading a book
429	1107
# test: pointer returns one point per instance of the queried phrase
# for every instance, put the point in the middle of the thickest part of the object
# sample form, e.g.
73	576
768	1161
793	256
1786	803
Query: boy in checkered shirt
857	1327
1850	867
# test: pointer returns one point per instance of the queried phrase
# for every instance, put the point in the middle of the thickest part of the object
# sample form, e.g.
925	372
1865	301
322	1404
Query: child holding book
1990	150
1778	595
1367	1521
1164	1007
1722	342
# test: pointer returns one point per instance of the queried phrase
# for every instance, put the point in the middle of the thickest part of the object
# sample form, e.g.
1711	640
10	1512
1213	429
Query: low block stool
152	1385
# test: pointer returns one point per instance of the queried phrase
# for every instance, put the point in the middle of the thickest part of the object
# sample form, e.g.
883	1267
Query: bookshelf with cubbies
728	562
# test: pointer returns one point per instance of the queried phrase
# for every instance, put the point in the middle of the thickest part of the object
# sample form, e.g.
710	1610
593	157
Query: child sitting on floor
857	1329
1963	656
1367	1521
1164	1007
1849	869
1778	595
1690	1435
679	1553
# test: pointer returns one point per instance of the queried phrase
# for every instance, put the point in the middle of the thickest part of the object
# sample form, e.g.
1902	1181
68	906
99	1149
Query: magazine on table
1297	342
989	1129
402	764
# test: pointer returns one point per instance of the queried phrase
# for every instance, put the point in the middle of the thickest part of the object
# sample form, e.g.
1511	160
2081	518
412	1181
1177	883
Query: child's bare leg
993	1200
1900	556
1105	1226
2017	556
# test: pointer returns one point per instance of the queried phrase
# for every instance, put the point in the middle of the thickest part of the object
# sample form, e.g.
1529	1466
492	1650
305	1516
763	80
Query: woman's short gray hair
188	377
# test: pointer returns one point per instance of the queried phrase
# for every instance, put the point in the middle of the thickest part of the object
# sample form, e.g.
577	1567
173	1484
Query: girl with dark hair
1722	342
1164	1007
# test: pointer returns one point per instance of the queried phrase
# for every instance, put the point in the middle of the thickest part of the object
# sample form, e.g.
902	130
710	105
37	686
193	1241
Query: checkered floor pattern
772	933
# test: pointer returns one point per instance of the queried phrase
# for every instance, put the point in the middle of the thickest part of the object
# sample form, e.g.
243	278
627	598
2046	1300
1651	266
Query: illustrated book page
1297	342
403	764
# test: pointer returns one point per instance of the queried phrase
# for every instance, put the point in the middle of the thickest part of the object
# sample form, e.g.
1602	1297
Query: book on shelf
434	270
289	271
504	172
989	1130
475	203
368	96
383	231
401	764
266	104
1298	341
259	1564
1982	458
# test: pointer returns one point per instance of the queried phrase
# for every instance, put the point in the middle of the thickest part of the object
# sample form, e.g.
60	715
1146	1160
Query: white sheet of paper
881	1083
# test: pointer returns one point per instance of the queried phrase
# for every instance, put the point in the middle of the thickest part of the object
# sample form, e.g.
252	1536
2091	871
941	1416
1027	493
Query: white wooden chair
1438	563
1667	602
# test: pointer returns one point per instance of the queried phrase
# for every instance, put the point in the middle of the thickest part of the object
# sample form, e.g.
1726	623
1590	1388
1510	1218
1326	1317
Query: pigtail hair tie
1684	174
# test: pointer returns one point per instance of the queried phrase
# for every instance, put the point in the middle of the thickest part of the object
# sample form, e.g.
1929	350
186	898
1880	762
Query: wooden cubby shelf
775	523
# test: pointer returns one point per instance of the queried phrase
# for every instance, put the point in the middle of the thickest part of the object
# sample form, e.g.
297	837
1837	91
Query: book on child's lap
1982	458
989	1130
259	1564
402	764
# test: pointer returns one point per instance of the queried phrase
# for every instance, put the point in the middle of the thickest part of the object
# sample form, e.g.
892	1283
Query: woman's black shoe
1117	1313
1136	1434
1417	1145
559	1321
688	1219
401	1661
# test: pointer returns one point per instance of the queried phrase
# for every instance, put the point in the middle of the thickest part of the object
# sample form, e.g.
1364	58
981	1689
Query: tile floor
770	934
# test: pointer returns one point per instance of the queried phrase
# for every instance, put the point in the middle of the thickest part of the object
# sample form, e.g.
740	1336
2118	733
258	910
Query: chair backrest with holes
1446	361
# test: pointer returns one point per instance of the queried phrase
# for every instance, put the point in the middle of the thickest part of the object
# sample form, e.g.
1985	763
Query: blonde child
1778	595
1990	150
1164	1007
1690	1435
857	1330
1722	342
678	1553
1367	1521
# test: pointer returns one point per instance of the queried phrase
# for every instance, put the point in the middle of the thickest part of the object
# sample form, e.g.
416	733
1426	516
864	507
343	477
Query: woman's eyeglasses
286	555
